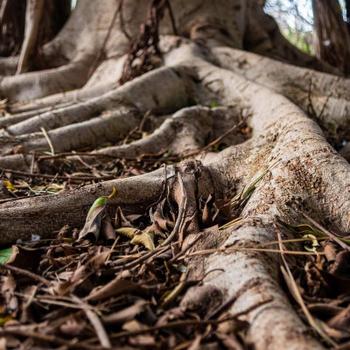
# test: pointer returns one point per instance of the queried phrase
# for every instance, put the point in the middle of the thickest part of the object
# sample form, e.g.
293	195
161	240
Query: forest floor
120	281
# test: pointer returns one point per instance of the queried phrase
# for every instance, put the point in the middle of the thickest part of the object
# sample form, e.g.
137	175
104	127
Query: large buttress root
104	119
74	205
34	13
300	172
252	278
301	175
182	135
324	97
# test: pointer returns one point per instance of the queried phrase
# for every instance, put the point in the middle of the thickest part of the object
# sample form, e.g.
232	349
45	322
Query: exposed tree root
136	191
285	168
323	96
183	134
170	92
8	65
43	83
34	14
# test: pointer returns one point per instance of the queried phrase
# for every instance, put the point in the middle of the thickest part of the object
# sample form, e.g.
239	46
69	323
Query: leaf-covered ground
120	281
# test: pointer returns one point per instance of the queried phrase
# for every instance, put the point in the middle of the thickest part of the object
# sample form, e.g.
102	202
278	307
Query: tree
332	42
15	16
12	26
347	9
288	165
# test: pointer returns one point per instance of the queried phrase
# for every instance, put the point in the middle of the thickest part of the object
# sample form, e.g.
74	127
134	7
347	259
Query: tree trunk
296	116
15	40
347	9
332	43
11	26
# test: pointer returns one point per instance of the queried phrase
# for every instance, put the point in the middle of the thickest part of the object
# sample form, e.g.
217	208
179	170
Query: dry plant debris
118	282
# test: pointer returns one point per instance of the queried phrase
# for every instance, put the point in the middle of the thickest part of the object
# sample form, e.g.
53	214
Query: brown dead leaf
72	326
133	326
107	230
25	257
74	278
341	265
99	259
342	320
144	340
119	285
8	287
229	341
92	226
126	314
120	220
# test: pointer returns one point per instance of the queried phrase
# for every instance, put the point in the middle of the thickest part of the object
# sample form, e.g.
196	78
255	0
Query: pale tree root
38	84
108	127
34	14
277	119
304	171
22	111
170	91
187	131
299	167
325	97
277	75
251	278
136	192
183	134
300	181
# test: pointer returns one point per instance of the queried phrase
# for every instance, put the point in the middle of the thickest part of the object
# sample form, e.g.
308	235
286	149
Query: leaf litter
117	282
319	282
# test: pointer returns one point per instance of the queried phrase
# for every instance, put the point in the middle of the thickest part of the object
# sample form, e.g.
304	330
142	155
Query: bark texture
332	42
298	118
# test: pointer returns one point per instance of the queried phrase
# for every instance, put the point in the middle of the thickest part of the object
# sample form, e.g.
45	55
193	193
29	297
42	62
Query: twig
47	300
331	235
168	240
176	291
44	337
145	156
182	323
172	17
52	150
59	177
183	252
96	323
294	289
248	249
26	273
138	128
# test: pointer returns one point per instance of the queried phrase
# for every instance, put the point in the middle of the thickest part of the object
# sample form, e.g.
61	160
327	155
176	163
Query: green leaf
94	217
5	255
313	241
99	202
